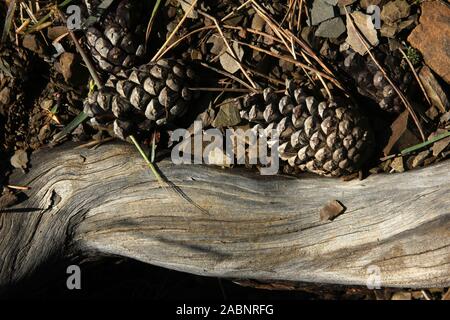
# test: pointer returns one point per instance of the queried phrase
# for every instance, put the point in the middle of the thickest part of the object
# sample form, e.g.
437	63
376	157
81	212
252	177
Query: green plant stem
148	162
426	143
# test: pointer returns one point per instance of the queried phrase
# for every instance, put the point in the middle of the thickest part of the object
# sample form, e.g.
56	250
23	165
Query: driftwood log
106	202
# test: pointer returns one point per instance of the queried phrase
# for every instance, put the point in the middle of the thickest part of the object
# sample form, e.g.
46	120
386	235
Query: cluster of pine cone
328	136
370	80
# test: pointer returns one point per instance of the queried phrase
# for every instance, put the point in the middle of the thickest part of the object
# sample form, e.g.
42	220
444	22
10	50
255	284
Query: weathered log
107	201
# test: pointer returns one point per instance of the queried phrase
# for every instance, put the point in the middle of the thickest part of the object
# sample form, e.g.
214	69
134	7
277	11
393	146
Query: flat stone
432	37
395	10
366	27
332	2
389	31
321	11
332	28
228	115
331	210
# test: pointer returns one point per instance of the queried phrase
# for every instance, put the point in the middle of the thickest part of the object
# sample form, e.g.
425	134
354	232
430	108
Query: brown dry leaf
366	27
331	210
433	89
397	165
420	158
401	136
186	5
228	62
218	45
440	146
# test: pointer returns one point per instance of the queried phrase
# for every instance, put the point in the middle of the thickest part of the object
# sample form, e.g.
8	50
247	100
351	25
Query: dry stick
319	76
236	10
289	35
174	44
229	75
83	54
33	18
274	28
416	76
254	31
221	89
291	3
309	51
399	93
230	49
291	23
262	75
299	18
172	34
23	26
288	59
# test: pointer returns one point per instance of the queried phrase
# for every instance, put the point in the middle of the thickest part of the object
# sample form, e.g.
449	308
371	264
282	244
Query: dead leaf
434	89
401	137
420	158
331	210
397	164
228	62
365	27
440	146
186	5
218	45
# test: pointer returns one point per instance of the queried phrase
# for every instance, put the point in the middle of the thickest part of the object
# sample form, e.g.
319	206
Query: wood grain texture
106	202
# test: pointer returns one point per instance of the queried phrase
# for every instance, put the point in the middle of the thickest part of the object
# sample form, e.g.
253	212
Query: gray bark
106	201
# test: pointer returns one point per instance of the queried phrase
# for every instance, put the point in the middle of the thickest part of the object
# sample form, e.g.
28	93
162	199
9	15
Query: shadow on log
106	202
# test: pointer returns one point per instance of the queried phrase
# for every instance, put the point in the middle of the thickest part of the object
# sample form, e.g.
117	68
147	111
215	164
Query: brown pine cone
371	82
153	94
325	137
117	41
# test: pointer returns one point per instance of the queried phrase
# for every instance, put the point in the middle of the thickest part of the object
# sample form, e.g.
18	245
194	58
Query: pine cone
326	137
371	82
153	94
117	41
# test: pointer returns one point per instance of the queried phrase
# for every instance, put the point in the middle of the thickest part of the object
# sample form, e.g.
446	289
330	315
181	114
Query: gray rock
332	28
331	2
321	11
